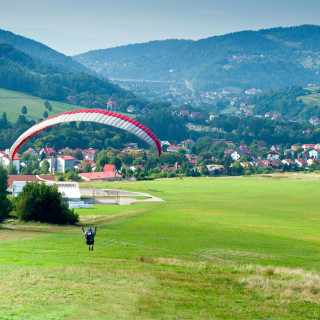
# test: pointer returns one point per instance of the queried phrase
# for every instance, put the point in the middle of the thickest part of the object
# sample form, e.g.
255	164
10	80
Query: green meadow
12	102
216	248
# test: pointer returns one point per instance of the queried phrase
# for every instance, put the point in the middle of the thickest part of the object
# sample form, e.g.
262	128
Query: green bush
5	204
44	203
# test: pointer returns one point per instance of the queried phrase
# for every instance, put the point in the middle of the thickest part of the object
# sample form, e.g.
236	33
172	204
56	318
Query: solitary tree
24	110
78	154
47	105
44	167
12	169
87	167
45	114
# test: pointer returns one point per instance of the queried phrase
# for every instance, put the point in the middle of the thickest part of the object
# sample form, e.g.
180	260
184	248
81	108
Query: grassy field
11	102
313	98
217	248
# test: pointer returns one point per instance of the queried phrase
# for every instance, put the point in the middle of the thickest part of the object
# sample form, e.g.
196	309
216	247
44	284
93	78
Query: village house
236	155
245	164
187	143
64	150
184	113
109	173
196	115
244	148
100	176
110	168
307	146
60	163
276	147
48	152
287	161
215	169
228	151
252	91
128	149
273	155
131	109
5	161
261	145
276	163
112	105
314	153
289	152
295	148
32	151
168	168
256	155
145	110
277	117
72	99
88	153
133	145
301	162
311	161
175	149
265	163
133	168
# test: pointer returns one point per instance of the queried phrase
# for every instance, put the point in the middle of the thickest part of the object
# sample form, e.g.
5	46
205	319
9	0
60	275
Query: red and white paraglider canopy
98	116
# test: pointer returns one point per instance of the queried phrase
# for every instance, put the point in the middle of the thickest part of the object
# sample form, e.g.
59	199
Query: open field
311	99
217	248
11	102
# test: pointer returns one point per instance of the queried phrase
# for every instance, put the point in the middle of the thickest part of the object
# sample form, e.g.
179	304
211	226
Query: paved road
113	192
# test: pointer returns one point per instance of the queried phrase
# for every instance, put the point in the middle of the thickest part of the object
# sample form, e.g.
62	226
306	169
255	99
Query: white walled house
273	155
236	155
64	163
5	161
32	151
301	162
314	153
60	164
89	153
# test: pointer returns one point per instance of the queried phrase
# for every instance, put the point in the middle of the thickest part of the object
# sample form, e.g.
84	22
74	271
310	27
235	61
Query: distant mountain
42	53
269	58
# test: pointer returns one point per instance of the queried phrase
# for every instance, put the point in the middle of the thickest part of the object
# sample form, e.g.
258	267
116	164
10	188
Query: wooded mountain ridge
268	58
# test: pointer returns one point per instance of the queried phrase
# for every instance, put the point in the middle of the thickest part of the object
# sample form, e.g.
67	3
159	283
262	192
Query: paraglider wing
98	116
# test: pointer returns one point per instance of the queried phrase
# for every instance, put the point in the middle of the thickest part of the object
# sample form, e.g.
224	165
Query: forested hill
20	72
269	58
42	52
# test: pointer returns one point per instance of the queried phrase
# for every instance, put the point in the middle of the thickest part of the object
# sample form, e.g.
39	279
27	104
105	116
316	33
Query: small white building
301	162
236	155
314	153
32	151
5	161
60	163
273	155
175	149
89	153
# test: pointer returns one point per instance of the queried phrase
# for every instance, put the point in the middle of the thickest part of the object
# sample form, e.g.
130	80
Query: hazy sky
76	26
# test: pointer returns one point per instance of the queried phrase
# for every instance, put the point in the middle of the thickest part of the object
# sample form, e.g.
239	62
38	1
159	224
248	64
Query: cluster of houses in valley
275	157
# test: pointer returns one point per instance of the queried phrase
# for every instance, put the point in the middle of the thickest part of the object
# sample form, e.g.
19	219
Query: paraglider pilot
89	235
